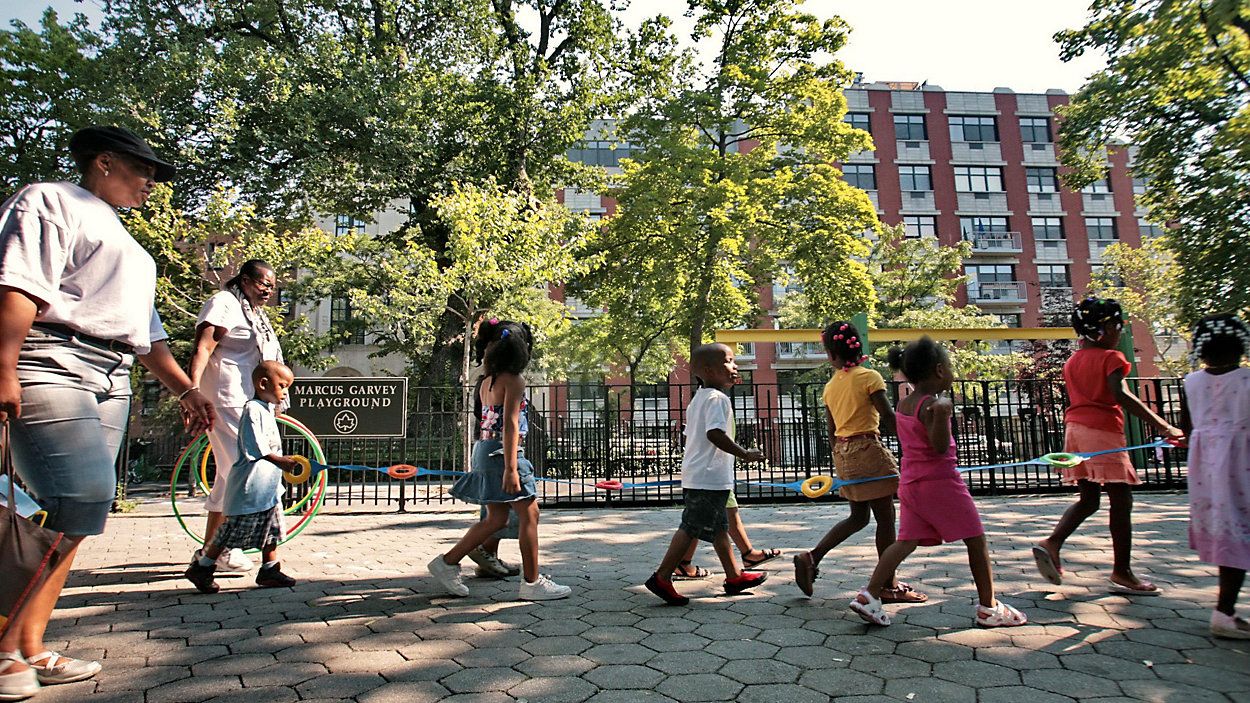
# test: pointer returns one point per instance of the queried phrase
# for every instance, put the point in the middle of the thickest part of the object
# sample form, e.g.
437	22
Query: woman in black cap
77	307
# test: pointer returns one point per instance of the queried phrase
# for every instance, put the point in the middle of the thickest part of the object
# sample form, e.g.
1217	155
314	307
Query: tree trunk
466	389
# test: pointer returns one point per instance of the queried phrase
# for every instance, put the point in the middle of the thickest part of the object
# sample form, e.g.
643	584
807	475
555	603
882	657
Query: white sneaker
19	685
544	589
234	560
1229	627
55	669
448	576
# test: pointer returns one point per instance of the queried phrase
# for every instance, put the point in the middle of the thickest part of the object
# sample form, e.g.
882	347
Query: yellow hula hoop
817	486
295	478
208	449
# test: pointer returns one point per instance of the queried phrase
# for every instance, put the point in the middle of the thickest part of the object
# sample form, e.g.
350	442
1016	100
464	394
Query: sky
957	44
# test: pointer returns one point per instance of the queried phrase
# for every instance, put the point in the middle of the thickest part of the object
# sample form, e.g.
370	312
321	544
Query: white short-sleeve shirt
704	466
68	249
227	379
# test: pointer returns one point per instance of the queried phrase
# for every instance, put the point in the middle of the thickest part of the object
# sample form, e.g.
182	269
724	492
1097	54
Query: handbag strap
7	460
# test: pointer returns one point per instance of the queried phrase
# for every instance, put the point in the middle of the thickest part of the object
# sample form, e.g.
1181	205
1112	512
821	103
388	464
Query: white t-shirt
68	249
227	379
704	466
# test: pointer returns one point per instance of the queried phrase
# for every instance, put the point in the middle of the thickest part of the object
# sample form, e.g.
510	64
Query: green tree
1175	88
732	173
1146	281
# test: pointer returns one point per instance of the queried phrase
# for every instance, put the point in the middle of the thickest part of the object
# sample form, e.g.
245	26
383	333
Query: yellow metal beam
962	334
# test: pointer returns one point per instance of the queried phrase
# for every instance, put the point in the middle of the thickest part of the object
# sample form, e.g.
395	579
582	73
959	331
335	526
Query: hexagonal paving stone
491	656
699	687
983	674
890	666
841	682
339	685
792	637
929	690
1016	694
555	665
556	645
780	693
1017	658
420	670
760	671
619	654
1205	677
726	631
811	657
491	678
742	649
663	624
609	634
687	663
934	651
630	697
675	642
405	692
1169	691
1072	684
1103	666
561	689
624	676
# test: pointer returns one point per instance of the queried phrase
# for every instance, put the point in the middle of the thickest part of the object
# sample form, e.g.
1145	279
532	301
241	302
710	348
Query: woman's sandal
1143	588
769	555
870	609
1046	566
686	572
902	593
1001	615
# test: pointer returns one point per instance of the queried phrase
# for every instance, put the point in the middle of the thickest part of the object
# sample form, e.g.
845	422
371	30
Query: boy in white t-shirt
707	475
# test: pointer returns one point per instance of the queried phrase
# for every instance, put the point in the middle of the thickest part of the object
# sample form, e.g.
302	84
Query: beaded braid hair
1216	334
1091	315
842	340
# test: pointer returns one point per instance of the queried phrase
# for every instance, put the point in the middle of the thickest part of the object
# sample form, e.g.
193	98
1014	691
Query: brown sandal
902	593
686	572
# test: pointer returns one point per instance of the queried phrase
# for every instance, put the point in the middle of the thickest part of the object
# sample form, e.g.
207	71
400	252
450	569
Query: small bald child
252	506
707	475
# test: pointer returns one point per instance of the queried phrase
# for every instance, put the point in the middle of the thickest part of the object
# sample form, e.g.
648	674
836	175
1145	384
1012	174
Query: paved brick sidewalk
365	623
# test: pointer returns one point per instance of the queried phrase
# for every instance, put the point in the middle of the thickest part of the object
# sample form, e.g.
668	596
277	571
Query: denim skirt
484	483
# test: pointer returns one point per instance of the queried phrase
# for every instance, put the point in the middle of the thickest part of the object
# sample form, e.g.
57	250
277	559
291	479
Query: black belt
66	332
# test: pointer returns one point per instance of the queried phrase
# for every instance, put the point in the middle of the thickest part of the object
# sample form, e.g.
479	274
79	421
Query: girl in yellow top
855	408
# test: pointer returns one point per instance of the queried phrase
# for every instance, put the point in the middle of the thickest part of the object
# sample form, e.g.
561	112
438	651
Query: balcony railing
800	350
997	292
994	242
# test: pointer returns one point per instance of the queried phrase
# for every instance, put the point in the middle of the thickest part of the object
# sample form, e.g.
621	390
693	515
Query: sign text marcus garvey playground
352	407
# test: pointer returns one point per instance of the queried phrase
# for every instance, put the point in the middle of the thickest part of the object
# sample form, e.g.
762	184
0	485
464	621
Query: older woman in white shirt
77	296
232	337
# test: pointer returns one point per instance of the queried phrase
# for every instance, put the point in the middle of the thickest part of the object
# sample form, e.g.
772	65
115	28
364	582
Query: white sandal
1001	615
18	685
57	669
870	609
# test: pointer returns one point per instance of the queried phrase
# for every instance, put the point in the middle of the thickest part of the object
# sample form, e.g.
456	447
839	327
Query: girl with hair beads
501	478
934	503
856	408
1094	378
1217	406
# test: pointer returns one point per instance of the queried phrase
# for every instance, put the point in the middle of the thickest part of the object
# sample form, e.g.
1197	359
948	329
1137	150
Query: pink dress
934	503
1219	466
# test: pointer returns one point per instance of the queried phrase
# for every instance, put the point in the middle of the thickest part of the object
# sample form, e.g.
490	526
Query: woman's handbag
28	552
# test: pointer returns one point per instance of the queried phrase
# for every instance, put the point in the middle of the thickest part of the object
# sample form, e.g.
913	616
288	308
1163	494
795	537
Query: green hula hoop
192	454
1062	460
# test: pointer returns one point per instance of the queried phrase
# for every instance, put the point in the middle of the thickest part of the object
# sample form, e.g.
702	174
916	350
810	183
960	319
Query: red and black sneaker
664	589
745	582
202	576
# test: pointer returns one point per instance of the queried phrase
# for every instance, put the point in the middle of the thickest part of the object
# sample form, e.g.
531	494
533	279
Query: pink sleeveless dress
933	500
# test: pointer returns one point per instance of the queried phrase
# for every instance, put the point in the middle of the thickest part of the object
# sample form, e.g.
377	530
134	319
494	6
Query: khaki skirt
863	456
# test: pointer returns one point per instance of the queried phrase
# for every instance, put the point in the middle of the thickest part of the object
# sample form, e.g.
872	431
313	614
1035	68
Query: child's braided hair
1092	314
843	341
1219	337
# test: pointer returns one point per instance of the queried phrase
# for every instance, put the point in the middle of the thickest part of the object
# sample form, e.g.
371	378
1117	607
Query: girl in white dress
1217	402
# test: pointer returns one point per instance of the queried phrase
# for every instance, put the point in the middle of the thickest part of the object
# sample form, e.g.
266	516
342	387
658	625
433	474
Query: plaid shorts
704	515
251	531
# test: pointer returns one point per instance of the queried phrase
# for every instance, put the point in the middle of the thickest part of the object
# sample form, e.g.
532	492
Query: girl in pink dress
1217	403
934	503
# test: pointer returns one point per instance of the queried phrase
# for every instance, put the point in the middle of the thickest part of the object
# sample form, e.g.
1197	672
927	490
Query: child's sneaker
869	609
544	589
448	576
234	560
202	577
491	566
664	589
1229	627
745	582
272	577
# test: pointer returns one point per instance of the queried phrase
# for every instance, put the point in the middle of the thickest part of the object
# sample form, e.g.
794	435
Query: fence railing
584	434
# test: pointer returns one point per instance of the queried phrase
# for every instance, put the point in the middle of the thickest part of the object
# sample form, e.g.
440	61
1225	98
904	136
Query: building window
859	120
1101	228
861	175
978	179
343	322
1035	130
1053	276
1010	319
991	273
910	128
216	256
1139	185
599	153
915	178
1097	187
973	128
1148	229
1042	179
1048	228
286	306
916	226
970	226
344	224
151	398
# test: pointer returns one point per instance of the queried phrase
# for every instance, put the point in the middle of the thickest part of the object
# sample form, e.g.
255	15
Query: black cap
94	140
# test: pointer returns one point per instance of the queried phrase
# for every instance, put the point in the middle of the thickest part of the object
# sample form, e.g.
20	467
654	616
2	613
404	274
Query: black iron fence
584	434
